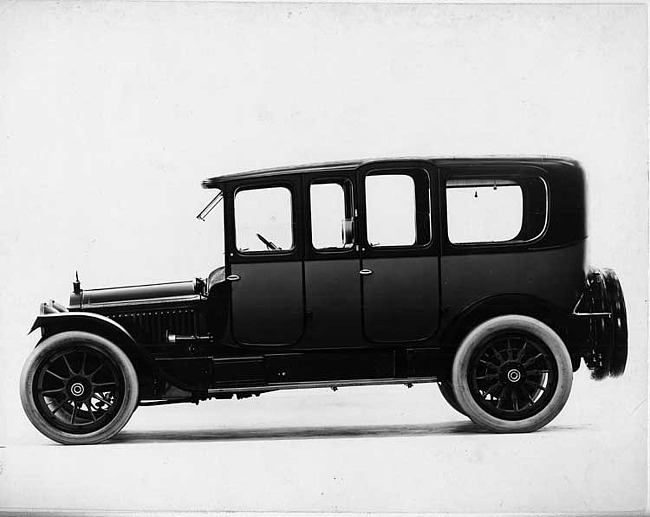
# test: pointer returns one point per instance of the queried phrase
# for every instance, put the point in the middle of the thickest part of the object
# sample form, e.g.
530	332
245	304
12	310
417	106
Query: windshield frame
210	206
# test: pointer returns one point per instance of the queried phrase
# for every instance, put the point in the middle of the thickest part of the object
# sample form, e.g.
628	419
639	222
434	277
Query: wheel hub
79	388
514	375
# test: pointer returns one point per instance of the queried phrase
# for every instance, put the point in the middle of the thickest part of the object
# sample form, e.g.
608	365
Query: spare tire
618	356
608	335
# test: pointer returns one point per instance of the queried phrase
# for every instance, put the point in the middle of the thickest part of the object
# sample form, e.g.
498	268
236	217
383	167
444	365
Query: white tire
512	374
78	388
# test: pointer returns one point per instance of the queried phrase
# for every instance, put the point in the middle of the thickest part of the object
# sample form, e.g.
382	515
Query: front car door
399	252
264	261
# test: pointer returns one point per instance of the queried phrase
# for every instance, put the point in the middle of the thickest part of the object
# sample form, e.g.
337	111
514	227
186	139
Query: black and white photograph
351	258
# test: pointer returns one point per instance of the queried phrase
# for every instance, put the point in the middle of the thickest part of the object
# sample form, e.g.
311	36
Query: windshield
210	206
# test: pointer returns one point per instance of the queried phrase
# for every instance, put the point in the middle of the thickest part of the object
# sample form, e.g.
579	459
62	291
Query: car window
390	210
494	210
263	220
331	216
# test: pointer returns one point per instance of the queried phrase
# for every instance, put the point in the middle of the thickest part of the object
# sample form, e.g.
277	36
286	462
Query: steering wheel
269	245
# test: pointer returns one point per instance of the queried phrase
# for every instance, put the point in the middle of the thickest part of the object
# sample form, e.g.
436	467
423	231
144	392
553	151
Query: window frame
517	174
279	251
427	216
325	177
349	204
235	256
415	223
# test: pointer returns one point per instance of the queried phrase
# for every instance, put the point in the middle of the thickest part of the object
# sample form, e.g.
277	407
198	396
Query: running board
322	384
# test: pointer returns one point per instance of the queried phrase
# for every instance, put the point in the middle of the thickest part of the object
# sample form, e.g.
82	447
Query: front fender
98	324
73	321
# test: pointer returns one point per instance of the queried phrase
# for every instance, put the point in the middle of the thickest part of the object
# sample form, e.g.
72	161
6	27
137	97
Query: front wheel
78	388
512	374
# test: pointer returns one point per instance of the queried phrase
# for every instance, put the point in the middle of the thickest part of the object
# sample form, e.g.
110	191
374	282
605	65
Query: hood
137	294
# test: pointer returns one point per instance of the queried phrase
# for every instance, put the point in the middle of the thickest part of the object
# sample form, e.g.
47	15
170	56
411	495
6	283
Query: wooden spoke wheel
78	388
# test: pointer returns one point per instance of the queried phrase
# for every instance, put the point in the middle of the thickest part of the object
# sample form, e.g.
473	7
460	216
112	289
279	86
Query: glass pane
329	227
484	214
263	219
390	210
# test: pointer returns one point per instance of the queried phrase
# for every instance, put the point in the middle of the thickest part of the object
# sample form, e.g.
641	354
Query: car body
466	272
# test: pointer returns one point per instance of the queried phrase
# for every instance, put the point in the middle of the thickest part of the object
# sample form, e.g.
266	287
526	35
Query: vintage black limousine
465	272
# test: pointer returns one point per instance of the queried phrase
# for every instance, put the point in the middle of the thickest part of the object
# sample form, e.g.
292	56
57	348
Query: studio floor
367	449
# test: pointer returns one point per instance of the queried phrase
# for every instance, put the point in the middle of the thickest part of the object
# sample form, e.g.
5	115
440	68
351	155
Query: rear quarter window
495	210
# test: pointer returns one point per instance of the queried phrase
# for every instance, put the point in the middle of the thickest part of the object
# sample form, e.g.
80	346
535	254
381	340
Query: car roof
219	181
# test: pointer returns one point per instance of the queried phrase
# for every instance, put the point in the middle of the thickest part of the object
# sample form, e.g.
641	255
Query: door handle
232	278
365	272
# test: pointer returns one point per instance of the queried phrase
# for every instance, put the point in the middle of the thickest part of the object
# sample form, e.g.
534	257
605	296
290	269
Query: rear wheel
512	374
78	388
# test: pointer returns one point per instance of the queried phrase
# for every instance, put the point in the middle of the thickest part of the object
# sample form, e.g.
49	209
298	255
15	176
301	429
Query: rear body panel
555	276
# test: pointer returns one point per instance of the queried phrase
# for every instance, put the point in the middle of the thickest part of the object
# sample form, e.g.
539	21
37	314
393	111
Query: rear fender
478	312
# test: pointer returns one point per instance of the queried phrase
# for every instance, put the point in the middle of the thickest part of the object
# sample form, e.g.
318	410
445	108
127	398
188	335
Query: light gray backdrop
111	114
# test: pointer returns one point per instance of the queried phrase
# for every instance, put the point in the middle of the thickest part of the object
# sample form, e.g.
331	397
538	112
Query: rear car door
399	252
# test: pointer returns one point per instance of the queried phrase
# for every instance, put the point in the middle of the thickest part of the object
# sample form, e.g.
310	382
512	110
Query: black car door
399	253
264	261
